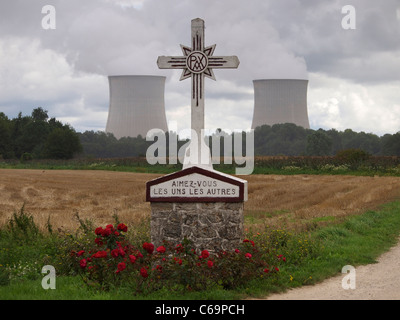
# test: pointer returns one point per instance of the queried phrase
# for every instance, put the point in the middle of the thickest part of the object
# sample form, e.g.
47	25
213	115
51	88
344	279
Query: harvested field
303	201
300	201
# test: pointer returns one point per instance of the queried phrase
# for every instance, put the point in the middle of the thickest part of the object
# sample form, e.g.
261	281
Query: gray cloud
108	39
315	33
273	39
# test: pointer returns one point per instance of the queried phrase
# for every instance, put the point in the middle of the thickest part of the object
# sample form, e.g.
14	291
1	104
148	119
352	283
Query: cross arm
228	62
169	62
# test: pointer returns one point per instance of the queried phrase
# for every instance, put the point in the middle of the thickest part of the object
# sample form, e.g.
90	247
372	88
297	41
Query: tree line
280	139
39	137
291	140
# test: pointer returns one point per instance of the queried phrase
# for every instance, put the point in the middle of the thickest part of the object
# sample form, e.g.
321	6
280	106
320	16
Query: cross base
197	156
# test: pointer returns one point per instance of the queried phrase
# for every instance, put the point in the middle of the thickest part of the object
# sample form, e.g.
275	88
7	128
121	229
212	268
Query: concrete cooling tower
280	101
136	105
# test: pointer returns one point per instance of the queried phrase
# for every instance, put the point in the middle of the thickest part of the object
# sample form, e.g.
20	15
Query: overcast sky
354	74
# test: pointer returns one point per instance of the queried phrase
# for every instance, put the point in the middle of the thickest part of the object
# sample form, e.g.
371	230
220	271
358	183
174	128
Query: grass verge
310	258
359	240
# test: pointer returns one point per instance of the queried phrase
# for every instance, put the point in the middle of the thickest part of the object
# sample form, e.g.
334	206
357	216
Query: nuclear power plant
280	101
136	105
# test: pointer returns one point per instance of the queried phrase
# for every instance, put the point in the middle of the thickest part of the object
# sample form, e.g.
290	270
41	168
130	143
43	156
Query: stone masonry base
213	226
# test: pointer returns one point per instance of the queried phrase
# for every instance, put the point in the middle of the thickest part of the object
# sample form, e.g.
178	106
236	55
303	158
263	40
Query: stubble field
298	202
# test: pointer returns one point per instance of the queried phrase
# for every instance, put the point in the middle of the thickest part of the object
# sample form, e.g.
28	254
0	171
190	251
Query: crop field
300	202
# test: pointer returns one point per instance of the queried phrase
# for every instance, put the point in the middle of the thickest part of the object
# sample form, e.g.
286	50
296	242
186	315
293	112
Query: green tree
5	137
39	114
29	133
318	144
18	134
391	144
336	138
62	143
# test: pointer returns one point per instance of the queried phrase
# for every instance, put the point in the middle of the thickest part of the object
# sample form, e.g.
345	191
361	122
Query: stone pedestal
209	225
204	206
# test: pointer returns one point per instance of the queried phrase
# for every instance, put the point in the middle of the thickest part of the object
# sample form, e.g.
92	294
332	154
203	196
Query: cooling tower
280	101
136	105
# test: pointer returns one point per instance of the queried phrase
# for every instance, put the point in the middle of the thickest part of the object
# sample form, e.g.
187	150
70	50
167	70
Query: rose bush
114	261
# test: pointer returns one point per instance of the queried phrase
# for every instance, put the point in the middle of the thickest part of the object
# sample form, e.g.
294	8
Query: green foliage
373	165
5	137
280	139
61	143
391	144
352	155
112	261
26	157
48	138
291	140
304	258
22	228
104	145
318	144
37	137
24	250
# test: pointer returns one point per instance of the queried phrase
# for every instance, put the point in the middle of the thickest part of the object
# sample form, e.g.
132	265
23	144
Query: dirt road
379	281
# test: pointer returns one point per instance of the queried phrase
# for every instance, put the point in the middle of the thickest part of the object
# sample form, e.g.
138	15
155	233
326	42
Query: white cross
198	62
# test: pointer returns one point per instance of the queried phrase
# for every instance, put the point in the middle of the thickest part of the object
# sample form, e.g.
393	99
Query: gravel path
379	281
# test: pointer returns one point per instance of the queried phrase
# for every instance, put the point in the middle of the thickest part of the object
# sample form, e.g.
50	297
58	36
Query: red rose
161	249
114	253
122	227
98	241
100	254
132	258
237	250
121	266
149	247
83	263
80	253
248	255
121	252
143	272
106	232
266	270
179	247
99	231
281	257
251	241
205	254
210	263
